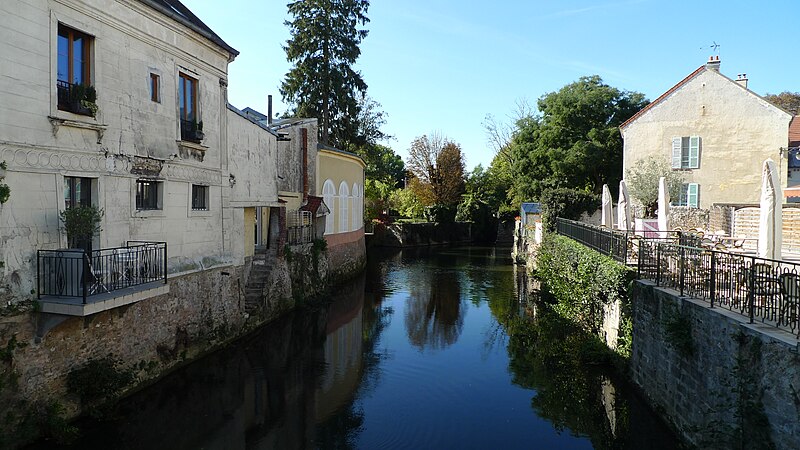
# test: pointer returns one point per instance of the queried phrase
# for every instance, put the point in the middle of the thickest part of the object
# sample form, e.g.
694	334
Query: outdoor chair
790	293
101	274
765	289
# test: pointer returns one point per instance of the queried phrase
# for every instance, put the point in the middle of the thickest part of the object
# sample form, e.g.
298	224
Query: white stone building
158	148
716	131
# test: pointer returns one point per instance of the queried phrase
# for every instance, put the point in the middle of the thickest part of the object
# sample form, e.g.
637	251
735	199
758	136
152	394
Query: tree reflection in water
434	316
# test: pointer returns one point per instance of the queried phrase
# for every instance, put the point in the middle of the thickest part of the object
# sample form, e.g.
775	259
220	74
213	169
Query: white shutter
692	195
676	153
694	152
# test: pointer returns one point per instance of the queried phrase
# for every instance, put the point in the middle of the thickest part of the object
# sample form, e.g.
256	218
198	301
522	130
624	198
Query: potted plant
83	99
81	223
197	129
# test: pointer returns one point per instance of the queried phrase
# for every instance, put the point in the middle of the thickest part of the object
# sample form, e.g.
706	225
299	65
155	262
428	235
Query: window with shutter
686	152
694	152
692	195
676	153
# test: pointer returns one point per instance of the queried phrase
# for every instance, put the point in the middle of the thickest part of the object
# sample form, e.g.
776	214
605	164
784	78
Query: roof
794	132
253	121
663	96
531	208
315	205
322	146
180	13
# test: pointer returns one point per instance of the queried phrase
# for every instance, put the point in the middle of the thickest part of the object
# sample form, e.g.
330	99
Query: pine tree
323	48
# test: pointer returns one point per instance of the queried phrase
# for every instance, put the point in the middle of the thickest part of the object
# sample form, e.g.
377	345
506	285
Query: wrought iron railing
70	98
299	227
613	243
191	131
76	273
761	289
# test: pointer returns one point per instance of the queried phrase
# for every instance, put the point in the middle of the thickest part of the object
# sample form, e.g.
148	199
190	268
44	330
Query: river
414	354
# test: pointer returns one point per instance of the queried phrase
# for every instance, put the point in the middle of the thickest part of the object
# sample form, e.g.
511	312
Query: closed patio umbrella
623	207
663	207
770	234
607	217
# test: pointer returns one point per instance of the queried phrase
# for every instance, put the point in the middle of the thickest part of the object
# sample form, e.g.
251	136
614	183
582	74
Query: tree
449	181
575	142
438	168
789	101
323	47
642	180
383	164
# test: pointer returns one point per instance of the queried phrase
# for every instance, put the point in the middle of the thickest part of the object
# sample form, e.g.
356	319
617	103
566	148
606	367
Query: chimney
741	79
269	109
713	63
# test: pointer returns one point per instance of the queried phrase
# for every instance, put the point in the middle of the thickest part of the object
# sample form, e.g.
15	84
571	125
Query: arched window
344	198
358	217
328	194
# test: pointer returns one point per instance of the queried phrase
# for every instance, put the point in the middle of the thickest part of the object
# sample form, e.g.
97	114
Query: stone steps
260	270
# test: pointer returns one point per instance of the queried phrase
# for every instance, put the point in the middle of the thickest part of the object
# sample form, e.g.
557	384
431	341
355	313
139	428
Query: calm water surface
413	355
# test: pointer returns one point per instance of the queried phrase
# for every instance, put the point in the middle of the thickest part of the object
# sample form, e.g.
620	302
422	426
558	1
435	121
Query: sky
443	65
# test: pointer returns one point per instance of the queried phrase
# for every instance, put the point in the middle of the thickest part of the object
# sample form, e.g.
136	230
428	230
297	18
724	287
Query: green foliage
441	213
678	333
473	209
383	165
406	203
642	179
85	96
322	48
99	383
81	223
582	281
5	190
437	165
377	198
575	142
566	203
789	101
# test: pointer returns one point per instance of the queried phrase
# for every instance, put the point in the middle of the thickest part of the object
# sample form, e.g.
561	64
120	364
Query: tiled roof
794	132
663	96
177	11
316	206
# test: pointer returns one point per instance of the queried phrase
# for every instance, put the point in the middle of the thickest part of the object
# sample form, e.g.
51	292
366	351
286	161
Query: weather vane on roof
714	47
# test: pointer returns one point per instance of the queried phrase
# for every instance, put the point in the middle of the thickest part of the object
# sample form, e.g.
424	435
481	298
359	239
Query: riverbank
54	368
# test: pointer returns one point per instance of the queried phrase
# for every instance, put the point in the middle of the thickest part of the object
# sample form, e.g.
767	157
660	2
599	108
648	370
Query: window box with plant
192	131
81	224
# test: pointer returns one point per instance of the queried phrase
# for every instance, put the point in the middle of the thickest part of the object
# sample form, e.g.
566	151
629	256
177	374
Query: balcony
77	98
192	131
75	283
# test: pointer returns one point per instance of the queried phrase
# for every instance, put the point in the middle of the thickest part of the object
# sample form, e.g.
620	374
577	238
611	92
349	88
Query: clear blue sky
444	64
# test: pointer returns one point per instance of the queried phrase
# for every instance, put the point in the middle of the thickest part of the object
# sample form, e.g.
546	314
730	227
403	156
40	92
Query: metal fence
613	243
761	289
299	227
76	273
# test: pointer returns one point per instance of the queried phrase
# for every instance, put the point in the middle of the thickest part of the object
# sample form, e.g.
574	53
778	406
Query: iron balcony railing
613	243
76	273
191	131
299	227
761	289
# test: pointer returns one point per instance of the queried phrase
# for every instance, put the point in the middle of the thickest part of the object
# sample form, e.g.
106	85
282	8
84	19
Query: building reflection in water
434	315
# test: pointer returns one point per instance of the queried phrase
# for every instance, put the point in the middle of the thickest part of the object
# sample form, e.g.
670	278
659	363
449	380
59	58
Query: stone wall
346	254
722	382
422	234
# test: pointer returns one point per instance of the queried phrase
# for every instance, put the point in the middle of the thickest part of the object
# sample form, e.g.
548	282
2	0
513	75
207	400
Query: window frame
155	87
153	205
689	198
686	152
184	78
88	40
205	197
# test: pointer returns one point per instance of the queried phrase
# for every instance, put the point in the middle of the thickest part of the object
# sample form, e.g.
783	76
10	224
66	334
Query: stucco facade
733	130
341	185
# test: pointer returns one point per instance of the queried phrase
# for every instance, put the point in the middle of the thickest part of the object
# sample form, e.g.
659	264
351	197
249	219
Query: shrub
567	203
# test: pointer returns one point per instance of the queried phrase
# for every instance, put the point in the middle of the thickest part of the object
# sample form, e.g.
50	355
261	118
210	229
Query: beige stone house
123	105
714	130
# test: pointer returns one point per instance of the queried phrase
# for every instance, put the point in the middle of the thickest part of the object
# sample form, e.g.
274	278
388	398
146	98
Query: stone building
716	131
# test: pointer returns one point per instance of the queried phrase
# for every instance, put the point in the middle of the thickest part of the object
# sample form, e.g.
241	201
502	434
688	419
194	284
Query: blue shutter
694	152
676	153
692	195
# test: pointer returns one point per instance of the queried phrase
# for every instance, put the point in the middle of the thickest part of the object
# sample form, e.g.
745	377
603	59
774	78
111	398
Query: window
686	152
77	192
147	194
155	87
358	219
73	68
187	97
328	194
690	193
199	197
344	198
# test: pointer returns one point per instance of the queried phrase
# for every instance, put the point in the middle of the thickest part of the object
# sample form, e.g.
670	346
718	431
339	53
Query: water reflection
347	375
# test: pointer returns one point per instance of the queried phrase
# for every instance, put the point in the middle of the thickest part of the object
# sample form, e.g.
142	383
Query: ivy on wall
582	281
